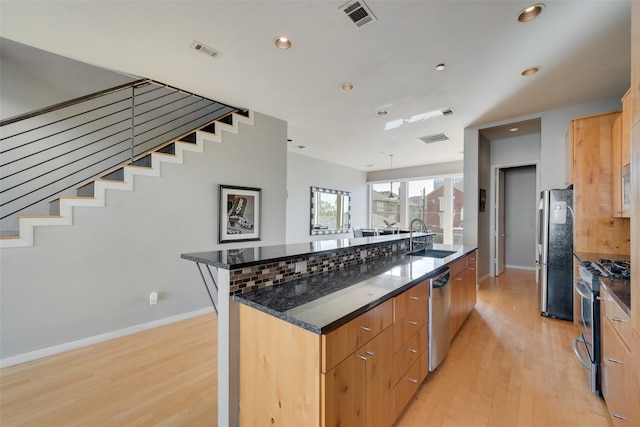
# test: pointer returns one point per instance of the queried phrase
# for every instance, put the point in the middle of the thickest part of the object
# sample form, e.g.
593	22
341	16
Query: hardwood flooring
507	367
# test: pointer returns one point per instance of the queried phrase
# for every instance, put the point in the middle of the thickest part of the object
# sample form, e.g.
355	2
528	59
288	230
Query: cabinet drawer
416	298
409	383
405	357
471	260
340	343
457	267
617	377
407	326
620	321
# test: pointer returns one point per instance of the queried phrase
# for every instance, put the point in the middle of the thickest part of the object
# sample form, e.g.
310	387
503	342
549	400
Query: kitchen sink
432	253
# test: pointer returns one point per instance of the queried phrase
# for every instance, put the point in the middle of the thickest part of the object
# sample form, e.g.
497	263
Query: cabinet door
379	379
616	167
616	376
344	392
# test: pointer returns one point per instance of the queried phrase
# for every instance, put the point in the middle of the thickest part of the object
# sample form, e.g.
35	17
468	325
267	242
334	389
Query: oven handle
576	350
583	291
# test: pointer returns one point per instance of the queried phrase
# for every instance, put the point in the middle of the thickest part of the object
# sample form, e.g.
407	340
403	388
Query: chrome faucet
424	230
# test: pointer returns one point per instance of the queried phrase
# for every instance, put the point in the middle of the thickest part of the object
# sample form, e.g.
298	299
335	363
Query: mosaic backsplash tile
261	276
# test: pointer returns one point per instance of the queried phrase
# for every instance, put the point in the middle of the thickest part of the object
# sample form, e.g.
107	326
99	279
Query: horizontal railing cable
52	150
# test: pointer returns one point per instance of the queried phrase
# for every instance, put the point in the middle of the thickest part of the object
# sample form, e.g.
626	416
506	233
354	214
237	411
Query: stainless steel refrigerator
554	230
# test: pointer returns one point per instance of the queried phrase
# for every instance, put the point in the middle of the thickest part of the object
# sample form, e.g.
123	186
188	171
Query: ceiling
582	47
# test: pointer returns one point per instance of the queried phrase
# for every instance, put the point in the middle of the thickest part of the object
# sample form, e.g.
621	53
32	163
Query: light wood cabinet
357	392
463	292
620	156
589	169
410	349
617	370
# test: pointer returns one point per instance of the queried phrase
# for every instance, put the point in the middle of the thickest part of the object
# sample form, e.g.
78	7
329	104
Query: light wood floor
507	367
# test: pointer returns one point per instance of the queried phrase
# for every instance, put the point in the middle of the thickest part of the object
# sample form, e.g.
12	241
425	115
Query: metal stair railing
48	152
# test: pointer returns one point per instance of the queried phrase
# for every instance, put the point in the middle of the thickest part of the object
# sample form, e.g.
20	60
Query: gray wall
303	172
554	125
95	277
32	78
520	214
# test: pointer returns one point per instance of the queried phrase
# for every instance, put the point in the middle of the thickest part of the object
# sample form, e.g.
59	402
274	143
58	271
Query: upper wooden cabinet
589	144
620	156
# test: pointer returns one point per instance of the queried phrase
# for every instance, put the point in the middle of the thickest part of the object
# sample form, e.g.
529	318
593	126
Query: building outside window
438	202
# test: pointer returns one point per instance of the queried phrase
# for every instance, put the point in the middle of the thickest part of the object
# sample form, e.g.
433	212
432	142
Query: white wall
304	172
95	277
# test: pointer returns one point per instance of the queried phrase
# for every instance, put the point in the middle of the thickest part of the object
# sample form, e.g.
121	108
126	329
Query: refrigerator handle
538	229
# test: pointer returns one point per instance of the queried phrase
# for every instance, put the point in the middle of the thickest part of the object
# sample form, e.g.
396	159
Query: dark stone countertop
323	302
247	257
620	290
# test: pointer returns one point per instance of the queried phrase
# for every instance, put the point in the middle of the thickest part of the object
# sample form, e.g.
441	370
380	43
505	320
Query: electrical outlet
301	266
153	298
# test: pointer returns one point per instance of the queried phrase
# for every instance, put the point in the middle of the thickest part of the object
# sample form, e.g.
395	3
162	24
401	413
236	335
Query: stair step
116	175
86	190
191	138
144	161
210	128
168	149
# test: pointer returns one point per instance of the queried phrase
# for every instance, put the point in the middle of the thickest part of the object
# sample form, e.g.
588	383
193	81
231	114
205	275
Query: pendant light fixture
391	195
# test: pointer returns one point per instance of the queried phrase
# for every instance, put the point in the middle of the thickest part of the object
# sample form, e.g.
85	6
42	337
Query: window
438	202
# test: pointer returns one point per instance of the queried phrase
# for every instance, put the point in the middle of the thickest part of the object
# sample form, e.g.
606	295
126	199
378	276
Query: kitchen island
290	319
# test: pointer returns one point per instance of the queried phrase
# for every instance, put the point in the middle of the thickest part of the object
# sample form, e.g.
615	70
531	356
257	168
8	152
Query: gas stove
616	269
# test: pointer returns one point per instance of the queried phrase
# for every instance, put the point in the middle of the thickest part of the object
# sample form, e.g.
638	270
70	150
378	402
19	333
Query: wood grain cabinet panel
617	377
408	385
463	293
341	342
358	390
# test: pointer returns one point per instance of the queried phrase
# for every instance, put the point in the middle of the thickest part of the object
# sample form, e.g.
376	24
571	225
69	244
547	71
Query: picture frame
239	213
483	199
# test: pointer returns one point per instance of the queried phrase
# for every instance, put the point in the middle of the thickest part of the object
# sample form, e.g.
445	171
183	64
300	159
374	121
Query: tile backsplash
275	273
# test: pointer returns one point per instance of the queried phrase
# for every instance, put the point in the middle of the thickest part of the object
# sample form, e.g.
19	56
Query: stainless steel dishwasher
439	318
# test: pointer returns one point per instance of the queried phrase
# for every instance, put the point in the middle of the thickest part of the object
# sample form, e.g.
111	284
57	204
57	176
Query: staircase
93	192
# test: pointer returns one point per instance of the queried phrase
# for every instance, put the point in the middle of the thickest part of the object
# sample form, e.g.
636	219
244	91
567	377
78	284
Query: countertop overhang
246	257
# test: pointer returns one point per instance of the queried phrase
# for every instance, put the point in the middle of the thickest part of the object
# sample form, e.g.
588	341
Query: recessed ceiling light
531	71
382	112
368	166
301	147
514	129
347	86
440	67
282	42
530	13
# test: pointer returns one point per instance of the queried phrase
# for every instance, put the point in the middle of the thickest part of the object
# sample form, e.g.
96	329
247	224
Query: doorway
514	217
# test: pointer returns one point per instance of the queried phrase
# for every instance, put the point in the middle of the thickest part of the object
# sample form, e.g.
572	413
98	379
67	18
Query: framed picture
239	214
483	199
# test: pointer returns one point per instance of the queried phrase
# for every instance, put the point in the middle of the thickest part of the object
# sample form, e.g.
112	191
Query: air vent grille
447	111
205	49
438	137
359	13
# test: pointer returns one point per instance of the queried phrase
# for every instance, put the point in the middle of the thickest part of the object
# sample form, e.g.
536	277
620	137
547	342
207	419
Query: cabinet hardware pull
620	417
366	328
610	359
616	319
414	298
413	350
459	279
412	322
363	357
369	352
413	380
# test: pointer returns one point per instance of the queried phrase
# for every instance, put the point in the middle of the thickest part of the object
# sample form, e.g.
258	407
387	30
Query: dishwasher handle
441	280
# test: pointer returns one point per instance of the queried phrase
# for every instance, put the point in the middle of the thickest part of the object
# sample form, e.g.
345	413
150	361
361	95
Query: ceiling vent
204	49
438	137
447	111
359	13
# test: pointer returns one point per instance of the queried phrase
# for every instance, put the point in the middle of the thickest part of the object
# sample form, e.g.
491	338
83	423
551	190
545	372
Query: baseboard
521	267
61	348
485	277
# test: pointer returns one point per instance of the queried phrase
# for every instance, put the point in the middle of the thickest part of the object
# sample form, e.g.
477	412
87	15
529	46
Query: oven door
583	346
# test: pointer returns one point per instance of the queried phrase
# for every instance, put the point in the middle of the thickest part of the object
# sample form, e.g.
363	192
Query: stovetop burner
616	269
